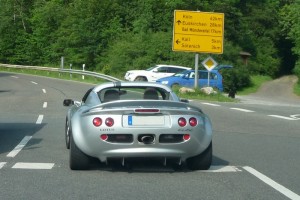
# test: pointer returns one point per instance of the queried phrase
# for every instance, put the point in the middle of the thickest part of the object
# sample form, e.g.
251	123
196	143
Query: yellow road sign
201	32
209	63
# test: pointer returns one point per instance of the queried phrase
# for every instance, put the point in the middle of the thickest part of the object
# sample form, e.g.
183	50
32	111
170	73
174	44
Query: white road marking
222	168
211	104
283	190
23	165
39	119
297	116
45	105
243	110
283	117
14	76
44	91
19	147
33	82
2	164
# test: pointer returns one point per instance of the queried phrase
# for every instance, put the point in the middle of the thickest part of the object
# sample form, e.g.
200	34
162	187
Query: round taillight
104	137
97	121
193	121
186	137
181	121
109	122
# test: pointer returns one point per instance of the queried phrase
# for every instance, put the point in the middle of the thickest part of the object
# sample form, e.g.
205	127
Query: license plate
145	120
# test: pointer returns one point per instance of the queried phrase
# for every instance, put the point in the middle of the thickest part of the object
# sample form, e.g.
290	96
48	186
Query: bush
236	79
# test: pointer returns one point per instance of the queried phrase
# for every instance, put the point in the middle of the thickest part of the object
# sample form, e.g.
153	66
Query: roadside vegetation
256	82
113	36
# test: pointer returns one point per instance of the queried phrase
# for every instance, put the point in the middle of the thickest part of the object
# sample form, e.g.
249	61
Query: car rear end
153	131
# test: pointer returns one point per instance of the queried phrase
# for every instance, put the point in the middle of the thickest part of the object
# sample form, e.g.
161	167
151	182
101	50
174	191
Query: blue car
187	79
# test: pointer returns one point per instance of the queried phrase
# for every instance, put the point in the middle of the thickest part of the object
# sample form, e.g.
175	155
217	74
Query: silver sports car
131	120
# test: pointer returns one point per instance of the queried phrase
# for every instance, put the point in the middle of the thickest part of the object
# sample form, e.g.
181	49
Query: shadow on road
11	134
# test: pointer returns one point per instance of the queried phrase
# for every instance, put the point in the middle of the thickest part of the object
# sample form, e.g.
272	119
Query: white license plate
145	120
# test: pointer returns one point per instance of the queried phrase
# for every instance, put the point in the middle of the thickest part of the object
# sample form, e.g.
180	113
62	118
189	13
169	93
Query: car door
188	79
160	72
203	79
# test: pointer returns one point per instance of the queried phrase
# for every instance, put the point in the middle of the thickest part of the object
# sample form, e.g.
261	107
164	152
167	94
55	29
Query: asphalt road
256	151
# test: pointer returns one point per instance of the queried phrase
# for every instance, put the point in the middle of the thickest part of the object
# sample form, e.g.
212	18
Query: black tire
68	132
78	160
174	85
201	161
140	78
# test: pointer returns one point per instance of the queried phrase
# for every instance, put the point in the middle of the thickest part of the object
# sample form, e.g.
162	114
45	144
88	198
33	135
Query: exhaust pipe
147	139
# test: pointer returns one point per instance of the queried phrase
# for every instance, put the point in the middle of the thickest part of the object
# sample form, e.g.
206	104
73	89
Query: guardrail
52	69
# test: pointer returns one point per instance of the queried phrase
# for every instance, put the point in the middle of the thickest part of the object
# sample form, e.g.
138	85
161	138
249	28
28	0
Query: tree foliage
113	36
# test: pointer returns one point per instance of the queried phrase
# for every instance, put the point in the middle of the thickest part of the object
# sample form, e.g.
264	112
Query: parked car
187	78
153	73
133	120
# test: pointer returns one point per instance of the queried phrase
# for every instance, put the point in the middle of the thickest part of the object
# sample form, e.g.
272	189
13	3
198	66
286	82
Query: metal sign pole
196	70
208	76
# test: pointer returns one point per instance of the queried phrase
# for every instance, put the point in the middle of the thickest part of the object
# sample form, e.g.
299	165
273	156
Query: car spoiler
160	104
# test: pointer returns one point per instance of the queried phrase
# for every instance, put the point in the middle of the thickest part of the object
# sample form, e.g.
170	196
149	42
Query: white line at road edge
14	77
240	109
2	164
39	119
283	190
23	165
19	147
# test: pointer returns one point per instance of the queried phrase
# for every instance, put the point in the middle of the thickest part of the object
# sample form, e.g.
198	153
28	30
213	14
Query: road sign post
199	32
209	63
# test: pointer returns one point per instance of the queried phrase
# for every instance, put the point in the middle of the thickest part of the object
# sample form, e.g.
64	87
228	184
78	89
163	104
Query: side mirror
68	102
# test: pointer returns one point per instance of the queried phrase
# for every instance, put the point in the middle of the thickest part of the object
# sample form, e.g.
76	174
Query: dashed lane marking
44	91
14	76
45	105
211	104
283	190
19	147
243	110
39	119
222	168
33	82
27	165
283	117
2	164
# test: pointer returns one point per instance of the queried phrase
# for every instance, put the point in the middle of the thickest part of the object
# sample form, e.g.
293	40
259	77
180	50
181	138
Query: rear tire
78	160
68	132
201	161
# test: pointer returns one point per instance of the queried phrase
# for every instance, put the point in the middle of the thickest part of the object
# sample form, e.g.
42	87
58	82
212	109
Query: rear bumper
104	150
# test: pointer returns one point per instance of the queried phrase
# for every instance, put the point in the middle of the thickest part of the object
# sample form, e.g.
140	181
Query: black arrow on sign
178	22
177	41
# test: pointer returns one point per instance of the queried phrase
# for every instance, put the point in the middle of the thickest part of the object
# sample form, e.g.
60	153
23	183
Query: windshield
149	69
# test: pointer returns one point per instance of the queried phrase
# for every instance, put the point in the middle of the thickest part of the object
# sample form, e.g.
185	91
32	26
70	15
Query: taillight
109	122
181	121
193	121
186	137
97	121
104	137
